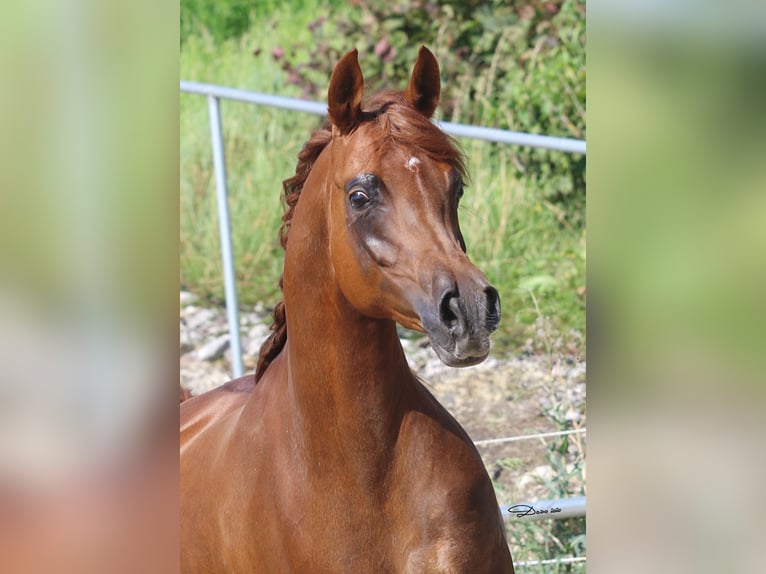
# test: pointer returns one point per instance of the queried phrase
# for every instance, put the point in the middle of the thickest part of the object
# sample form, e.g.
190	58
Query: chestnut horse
334	457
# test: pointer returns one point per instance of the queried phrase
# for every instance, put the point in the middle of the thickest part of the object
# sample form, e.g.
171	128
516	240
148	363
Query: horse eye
358	199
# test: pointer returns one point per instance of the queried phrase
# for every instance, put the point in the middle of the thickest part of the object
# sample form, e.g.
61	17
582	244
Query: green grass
520	240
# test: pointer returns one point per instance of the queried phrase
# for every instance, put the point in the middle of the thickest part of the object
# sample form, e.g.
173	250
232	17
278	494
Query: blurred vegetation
511	65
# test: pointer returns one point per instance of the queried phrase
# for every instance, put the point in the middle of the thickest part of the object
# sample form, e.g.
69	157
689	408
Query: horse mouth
452	355
464	349
459	319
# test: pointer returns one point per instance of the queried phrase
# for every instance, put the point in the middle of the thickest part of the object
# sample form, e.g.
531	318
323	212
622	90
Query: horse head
395	183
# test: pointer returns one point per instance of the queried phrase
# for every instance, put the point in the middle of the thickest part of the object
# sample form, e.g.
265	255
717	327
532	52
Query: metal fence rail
554	562
215	93
568	145
539	509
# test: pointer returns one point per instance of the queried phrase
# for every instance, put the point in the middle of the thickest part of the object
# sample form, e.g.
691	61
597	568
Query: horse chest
356	536
430	523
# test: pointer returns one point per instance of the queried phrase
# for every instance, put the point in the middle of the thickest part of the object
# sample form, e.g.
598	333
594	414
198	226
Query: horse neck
347	374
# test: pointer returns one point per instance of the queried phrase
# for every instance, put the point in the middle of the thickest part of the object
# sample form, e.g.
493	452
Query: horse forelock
399	124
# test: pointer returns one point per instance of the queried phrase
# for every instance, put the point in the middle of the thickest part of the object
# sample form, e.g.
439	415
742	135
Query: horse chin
450	356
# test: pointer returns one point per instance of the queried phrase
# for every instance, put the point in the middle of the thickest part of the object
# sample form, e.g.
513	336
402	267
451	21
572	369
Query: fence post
224	227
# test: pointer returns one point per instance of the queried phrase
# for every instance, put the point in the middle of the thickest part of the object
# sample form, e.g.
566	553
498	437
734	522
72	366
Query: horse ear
422	92
344	98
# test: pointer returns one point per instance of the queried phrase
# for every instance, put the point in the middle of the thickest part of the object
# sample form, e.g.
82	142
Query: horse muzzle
460	318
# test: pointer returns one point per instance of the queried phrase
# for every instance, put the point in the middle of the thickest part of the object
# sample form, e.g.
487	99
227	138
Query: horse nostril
493	308
447	308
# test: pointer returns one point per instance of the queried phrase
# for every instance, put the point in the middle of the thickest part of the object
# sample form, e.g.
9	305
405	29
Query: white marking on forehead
412	162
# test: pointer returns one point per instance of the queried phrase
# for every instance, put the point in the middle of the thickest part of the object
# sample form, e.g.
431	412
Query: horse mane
401	124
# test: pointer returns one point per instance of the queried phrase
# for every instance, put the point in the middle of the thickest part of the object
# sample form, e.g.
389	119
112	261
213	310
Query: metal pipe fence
560	508
539	509
567	145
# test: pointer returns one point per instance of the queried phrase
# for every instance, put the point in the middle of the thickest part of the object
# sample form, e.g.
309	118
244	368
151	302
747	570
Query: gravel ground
504	396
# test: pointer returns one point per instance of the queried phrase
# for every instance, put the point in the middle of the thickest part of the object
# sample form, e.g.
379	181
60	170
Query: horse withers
333	457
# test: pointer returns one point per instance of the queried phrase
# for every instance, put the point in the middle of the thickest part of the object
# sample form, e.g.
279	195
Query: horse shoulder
207	425
458	527
203	411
